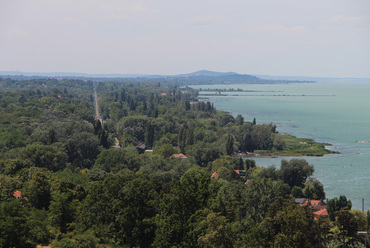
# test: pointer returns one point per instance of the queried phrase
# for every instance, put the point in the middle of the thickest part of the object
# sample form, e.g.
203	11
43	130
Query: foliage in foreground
62	184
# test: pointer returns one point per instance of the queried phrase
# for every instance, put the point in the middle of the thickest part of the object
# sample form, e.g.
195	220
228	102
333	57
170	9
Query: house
240	172
17	194
300	201
249	180
180	155
215	175
318	206
320	213
315	204
140	145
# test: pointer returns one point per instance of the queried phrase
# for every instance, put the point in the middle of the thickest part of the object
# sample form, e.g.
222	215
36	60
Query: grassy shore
299	147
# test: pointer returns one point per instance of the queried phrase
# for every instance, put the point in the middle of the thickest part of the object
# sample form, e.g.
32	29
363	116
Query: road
98	117
96	103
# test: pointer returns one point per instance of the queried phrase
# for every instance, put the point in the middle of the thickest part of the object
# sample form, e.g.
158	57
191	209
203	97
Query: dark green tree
39	193
239	120
14	230
295	172
52	157
294	226
114	160
314	190
62	212
149	135
297	192
229	146
216	232
187	196
249	164
347	225
337	204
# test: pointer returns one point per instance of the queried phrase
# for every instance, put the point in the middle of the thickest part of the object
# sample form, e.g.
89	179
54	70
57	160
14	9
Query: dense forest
160	170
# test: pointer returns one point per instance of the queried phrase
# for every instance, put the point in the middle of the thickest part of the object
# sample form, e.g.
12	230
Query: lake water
337	113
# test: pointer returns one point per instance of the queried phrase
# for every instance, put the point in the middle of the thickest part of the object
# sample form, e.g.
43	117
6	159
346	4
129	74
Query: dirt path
96	103
98	117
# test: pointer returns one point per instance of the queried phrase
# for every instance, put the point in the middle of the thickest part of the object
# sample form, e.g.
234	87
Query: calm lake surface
336	112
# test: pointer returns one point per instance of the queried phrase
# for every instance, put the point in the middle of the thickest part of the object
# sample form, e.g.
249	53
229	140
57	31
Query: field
299	147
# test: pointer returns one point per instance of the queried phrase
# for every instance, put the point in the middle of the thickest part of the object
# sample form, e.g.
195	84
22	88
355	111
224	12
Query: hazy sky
272	37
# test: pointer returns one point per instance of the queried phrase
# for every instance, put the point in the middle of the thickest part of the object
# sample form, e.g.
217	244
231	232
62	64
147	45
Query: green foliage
216	232
114	160
203	153
38	224
295	172
360	218
74	177
39	193
314	190
129	200
337	204
85	240
301	146
261	192
229	146
53	157
239	120
62	212
83	148
297	192
12	166
8	186
294	226
165	150
82	193
347	225
14	231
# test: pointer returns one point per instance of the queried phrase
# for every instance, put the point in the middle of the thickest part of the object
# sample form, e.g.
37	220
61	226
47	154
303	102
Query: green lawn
299	147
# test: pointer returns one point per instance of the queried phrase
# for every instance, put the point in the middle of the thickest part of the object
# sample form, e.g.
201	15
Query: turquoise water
337	113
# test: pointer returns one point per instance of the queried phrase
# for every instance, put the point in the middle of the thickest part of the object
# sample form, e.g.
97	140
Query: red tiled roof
314	202
215	175
322	212
237	171
17	194
180	155
249	180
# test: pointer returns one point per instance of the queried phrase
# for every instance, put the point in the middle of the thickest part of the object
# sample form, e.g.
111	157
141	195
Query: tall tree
347	225
14	231
229	146
337	204
39	193
295	172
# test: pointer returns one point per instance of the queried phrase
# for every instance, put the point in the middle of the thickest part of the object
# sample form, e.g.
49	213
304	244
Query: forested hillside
174	180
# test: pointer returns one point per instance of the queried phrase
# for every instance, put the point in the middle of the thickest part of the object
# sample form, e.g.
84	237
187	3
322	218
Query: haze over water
337	113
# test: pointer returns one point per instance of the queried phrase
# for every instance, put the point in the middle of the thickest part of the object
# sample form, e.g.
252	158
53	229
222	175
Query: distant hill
207	73
198	77
68	74
211	77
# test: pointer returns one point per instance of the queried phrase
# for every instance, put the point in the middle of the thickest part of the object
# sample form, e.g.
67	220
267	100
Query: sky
320	38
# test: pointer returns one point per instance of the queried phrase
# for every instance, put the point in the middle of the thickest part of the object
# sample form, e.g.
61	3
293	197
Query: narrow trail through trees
98	116
96	103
